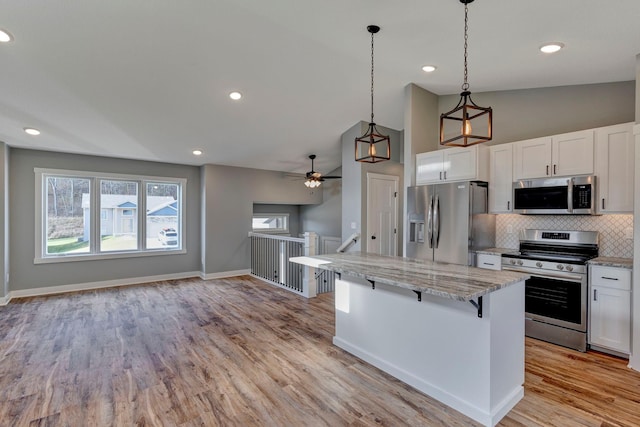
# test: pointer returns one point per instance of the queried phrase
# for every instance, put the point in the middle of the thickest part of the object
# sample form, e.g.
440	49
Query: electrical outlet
354	225
628	233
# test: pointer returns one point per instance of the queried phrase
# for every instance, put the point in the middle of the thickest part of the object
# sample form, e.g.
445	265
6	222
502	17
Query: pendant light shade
468	123
373	146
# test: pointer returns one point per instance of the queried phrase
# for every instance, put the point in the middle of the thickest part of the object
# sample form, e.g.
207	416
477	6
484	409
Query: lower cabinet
610	308
489	261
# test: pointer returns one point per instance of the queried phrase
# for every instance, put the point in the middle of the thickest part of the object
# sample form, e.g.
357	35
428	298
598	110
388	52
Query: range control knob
520	262
560	267
538	264
569	268
513	262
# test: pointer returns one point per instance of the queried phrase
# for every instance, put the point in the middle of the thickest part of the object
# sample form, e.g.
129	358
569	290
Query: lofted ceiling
150	79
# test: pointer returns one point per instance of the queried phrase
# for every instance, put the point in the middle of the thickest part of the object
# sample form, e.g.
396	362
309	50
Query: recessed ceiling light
32	131
197	152
5	36
429	68
235	95
551	47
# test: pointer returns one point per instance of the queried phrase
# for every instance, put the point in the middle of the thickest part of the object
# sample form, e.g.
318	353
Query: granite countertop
497	251
458	282
612	262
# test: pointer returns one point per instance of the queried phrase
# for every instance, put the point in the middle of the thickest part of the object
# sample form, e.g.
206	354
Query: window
270	223
138	215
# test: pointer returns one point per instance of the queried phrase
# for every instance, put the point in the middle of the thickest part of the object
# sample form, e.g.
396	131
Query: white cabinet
500	178
614	168
453	164
489	261
559	155
610	308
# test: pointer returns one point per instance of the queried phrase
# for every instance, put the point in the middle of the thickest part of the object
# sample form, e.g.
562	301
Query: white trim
636	129
225	274
108	255
5	300
21	293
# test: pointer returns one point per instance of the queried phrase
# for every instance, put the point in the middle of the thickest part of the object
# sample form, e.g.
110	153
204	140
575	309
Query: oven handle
565	276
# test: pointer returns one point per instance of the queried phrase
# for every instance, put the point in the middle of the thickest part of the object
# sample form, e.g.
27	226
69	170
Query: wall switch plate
628	233
354	225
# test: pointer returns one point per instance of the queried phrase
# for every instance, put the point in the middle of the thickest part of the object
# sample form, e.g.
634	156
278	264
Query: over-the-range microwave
572	195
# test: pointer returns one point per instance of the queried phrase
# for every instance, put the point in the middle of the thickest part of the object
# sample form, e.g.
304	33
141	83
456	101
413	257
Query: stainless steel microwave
573	195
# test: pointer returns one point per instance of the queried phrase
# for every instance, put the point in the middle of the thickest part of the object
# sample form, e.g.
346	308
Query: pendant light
372	147
467	124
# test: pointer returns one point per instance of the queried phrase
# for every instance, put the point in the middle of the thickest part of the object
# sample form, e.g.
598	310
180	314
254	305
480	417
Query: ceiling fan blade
331	177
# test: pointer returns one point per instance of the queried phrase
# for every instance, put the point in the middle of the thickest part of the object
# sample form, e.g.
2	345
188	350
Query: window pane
119	230
270	222
67	215
163	216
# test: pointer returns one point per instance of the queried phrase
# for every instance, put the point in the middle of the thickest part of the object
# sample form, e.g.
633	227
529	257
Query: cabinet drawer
611	277
489	262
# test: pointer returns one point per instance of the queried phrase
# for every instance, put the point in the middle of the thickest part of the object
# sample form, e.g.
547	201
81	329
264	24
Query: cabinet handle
508	205
440	176
609	278
488	263
445	175
595	295
547	169
554	169
602	204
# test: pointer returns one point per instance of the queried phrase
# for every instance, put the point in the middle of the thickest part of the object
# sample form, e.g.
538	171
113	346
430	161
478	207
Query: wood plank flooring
239	352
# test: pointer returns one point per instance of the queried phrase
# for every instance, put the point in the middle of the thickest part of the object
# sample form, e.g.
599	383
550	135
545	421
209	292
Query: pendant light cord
372	77
465	85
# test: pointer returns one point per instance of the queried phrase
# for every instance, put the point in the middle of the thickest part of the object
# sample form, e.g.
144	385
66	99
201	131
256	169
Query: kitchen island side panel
437	345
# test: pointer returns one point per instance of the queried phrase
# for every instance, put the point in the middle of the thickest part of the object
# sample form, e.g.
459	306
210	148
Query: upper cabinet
453	164
500	178
560	155
614	168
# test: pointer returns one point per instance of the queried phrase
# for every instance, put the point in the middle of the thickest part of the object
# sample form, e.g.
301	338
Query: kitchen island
453	332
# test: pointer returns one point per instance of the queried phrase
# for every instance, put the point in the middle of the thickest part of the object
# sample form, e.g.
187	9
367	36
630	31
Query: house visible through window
270	223
70	228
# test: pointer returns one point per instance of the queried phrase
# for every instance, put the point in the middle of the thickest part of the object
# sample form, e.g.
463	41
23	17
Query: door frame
396	180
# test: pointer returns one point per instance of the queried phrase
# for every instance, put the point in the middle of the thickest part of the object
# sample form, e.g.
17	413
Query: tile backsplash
614	230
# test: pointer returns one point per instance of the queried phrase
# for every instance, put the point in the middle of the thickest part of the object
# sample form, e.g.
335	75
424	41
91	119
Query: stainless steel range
556	294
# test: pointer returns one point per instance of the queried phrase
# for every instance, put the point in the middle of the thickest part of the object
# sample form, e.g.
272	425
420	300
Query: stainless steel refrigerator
449	222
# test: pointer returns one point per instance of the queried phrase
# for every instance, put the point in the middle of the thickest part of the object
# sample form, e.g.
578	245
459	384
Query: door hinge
395	194
394	231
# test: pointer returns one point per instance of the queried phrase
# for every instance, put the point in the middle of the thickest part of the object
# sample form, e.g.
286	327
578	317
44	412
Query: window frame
95	214
285	216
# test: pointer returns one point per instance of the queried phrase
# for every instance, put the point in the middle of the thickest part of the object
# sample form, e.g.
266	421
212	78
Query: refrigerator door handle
436	221
430	222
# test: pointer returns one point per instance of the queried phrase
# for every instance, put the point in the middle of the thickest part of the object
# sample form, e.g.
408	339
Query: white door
382	214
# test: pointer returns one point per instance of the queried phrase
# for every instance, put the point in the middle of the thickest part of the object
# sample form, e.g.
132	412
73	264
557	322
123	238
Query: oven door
558	299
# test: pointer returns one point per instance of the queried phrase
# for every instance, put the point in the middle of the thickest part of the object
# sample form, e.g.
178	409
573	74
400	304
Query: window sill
107	256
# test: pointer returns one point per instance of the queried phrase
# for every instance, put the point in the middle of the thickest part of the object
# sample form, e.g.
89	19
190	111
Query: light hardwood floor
239	352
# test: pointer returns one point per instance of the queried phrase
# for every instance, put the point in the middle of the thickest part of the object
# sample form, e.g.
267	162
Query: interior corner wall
4	220
228	197
25	275
634	359
532	113
325	219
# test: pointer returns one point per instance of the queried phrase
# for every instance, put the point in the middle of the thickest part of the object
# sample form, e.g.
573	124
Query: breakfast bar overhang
454	332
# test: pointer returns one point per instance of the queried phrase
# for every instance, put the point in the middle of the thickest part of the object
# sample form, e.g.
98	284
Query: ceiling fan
313	178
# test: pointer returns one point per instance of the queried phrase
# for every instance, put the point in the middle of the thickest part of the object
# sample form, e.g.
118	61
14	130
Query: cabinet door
611	318
460	163
572	153
614	168
532	158
429	167
500	178
489	262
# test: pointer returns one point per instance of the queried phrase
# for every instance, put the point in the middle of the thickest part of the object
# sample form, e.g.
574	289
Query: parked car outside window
168	236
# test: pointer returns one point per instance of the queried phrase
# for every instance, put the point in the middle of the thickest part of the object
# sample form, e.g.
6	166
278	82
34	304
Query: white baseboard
96	285
225	274
4	300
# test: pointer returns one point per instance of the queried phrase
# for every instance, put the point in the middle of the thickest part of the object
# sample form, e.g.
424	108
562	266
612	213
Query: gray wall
292	210
325	219
531	113
228	197
26	275
421	122
354	182
4	219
